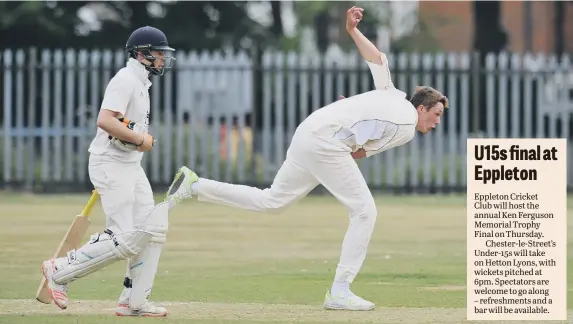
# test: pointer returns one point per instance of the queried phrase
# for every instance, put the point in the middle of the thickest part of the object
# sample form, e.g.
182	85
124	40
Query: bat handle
88	208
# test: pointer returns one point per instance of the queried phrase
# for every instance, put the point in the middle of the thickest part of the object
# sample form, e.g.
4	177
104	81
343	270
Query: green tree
188	24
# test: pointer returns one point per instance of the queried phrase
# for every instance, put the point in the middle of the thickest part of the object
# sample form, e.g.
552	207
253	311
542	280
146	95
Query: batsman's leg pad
143	267
124	296
143	271
157	223
101	250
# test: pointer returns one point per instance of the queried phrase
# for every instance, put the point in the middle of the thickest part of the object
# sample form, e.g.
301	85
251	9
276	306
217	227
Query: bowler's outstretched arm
366	48
376	60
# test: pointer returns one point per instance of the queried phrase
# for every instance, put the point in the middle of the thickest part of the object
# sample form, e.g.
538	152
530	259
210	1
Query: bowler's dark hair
428	97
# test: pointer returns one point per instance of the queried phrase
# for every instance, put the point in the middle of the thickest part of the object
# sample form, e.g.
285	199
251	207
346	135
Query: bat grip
90	204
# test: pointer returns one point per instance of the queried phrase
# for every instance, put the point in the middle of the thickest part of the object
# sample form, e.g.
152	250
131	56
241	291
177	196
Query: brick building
451	23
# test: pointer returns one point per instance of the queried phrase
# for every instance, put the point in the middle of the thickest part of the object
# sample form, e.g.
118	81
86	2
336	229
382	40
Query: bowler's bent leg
340	175
291	183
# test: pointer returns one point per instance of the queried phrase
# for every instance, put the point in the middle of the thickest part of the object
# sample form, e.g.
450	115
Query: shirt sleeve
376	147
116	96
371	153
383	134
364	130
381	75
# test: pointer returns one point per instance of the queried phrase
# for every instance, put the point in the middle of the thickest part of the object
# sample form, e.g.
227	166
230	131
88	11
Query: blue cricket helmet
146	39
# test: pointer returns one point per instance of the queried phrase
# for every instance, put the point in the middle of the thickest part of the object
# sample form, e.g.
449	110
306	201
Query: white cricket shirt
376	120
127	93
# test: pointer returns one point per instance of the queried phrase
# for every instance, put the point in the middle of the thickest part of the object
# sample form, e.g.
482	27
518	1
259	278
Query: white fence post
199	111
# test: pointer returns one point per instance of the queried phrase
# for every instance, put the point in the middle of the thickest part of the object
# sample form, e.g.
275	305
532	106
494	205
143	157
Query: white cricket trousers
310	161
126	199
125	192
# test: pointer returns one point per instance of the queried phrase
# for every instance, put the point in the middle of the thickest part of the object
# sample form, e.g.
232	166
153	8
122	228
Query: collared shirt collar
139	70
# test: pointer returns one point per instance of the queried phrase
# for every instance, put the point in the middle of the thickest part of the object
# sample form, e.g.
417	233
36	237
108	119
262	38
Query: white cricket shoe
58	292
347	301
148	310
180	188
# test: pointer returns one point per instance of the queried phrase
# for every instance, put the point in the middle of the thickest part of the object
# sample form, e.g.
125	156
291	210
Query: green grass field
222	265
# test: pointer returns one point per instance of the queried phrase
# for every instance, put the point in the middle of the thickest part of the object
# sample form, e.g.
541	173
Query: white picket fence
231	117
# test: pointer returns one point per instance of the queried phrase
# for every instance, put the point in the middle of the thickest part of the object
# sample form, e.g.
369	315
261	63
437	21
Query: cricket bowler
136	228
323	150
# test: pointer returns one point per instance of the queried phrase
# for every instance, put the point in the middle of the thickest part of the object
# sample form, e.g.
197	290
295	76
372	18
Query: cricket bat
72	240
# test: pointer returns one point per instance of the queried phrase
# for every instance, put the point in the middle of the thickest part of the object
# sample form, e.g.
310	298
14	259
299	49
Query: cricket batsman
136	228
